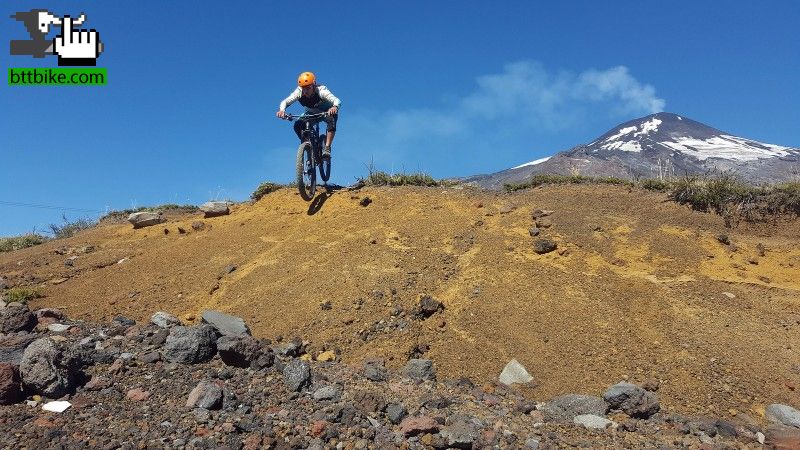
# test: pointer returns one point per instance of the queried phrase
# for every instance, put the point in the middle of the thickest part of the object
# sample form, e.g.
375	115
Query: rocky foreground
73	384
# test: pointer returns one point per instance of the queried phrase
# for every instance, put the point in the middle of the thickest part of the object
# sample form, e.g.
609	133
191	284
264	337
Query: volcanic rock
48	369
12	347
165	320
461	433
783	414
206	395
566	407
412	426
214	209
544	245
420	369
145	219
190	345
239	351
226	324
592	421
514	372
782	438
633	400
395	412
428	306
296	374
137	395
374	370
16	317
10	384
329	392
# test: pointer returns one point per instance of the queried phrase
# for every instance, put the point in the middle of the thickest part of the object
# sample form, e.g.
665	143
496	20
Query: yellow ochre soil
640	288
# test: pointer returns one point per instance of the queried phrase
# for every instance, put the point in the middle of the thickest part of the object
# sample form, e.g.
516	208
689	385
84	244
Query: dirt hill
639	288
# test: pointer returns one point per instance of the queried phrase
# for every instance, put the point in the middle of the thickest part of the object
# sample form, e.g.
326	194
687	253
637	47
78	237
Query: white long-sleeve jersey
324	94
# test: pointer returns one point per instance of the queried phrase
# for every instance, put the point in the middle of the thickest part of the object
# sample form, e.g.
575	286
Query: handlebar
292	117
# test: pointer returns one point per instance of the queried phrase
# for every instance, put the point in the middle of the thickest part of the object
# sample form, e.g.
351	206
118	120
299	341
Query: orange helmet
306	79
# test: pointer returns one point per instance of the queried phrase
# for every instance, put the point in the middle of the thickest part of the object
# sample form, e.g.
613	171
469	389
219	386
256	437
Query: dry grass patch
22	294
9	244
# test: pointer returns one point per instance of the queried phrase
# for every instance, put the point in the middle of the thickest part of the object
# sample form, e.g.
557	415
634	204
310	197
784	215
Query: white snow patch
680	118
650	125
621	132
533	163
631	145
625	146
726	147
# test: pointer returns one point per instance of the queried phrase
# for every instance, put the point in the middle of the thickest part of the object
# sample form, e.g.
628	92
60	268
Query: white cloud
523	87
527	89
617	85
503	110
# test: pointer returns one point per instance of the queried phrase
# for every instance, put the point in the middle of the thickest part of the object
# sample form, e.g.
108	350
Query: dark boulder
10	384
190	345
242	351
226	324
566	407
296	374
16	317
633	400
12	347
49	369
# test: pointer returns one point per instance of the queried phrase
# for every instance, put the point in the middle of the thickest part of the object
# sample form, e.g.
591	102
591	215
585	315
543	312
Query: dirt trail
644	289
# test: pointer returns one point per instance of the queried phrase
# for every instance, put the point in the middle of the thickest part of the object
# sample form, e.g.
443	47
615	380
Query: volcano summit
661	145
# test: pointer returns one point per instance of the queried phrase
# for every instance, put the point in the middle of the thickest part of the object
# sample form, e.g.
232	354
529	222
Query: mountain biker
316	99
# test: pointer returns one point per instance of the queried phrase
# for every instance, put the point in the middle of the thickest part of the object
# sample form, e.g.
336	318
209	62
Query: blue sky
452	88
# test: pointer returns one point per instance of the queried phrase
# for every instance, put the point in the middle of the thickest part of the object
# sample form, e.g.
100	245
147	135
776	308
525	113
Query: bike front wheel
306	175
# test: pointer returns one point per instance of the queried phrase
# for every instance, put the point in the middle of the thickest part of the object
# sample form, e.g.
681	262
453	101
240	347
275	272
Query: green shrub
69	229
547	178
735	200
783	199
381	178
264	189
17	242
451	182
576	178
714	193
22	294
652	184
614	180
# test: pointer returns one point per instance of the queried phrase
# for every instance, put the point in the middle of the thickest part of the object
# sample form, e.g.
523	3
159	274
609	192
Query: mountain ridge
660	145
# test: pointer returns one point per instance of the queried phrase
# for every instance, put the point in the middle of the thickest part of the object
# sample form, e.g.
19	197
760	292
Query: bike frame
310	132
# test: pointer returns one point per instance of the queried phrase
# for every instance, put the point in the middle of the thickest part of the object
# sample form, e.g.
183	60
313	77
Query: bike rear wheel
325	169
306	173
325	163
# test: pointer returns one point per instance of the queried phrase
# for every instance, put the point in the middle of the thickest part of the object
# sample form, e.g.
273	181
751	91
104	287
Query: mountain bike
309	155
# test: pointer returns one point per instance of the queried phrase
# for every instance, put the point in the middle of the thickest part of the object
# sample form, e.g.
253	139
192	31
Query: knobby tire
308	187
325	169
325	164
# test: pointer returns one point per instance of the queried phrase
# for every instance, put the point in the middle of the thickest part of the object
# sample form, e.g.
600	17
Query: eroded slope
639	288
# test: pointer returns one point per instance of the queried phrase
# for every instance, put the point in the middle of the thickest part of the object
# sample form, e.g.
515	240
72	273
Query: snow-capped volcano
662	145
673	133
